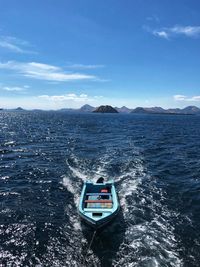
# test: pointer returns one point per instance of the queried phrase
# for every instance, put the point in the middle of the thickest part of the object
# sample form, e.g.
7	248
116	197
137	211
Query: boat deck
99	200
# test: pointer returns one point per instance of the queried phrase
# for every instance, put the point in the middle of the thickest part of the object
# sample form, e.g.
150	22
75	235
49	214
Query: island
190	110
19	109
105	109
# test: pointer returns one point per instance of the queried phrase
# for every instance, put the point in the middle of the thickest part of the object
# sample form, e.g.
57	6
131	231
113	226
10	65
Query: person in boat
100	180
103	190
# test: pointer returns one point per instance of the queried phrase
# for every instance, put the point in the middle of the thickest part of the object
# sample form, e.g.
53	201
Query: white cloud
162	34
83	67
66	97
179	97
70	100
166	33
153	18
15	45
10	46
73	97
13	88
186	98
196	98
43	66
190	31
43	71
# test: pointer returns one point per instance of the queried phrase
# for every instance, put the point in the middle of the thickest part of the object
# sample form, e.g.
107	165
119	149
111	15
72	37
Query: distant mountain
139	110
87	108
123	109
158	110
83	109
105	109
173	111
19	109
186	110
68	110
148	110
191	110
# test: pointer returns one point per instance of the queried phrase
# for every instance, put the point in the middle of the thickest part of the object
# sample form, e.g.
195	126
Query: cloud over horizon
70	96
43	71
186	98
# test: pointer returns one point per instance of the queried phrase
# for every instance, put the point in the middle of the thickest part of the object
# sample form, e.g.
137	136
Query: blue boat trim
95	212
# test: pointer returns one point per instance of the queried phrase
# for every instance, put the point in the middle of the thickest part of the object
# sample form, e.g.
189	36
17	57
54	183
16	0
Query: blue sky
56	54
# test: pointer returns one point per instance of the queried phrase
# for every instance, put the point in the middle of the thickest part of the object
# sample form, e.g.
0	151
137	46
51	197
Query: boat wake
153	160
146	219
149	231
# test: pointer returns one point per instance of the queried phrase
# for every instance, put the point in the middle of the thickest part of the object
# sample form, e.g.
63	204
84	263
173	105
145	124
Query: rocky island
105	109
190	110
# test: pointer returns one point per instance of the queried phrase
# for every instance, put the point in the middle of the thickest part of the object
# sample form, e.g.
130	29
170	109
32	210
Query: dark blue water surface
46	156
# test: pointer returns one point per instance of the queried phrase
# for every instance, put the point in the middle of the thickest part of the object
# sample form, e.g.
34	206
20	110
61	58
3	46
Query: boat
98	203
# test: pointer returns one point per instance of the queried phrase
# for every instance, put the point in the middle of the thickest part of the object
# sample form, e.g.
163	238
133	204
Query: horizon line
68	108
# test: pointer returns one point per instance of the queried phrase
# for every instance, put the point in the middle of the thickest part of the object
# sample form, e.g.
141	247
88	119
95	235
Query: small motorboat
98	203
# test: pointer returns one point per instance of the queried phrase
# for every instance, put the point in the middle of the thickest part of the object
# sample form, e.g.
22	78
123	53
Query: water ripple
46	156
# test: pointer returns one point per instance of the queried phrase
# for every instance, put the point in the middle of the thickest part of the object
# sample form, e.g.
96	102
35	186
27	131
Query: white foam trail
128	189
75	222
103	163
156	235
129	184
161	242
77	226
78	174
68	184
99	171
72	188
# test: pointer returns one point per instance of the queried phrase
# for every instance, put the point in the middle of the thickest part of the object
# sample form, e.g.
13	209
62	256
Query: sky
66	53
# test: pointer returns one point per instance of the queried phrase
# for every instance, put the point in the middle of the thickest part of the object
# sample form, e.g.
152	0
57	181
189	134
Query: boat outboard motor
100	180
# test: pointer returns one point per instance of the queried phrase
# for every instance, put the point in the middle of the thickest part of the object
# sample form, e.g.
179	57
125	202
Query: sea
45	157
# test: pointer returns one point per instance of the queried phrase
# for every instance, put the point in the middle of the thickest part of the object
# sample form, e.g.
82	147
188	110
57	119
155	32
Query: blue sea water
46	156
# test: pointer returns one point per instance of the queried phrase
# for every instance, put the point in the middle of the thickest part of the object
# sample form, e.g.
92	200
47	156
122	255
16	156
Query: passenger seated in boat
100	180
